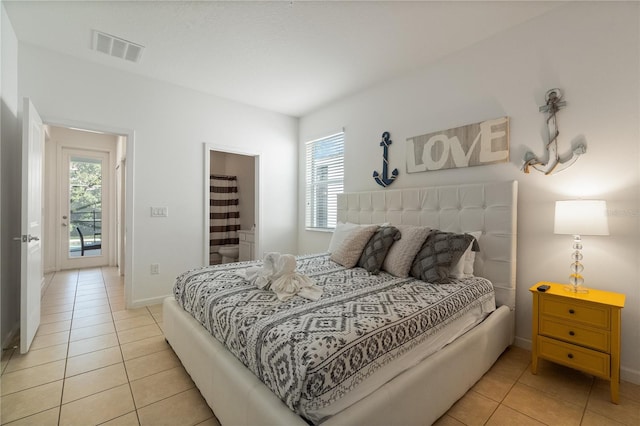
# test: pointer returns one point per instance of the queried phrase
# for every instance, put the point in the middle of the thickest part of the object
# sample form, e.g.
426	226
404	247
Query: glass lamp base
576	289
576	279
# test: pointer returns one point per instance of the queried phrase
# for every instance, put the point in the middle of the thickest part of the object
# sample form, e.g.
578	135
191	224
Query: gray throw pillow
377	248
438	253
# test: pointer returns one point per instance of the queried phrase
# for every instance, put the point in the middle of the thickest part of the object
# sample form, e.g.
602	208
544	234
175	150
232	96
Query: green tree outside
85	198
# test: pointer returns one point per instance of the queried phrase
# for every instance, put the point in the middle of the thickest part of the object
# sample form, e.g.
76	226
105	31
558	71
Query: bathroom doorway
232	205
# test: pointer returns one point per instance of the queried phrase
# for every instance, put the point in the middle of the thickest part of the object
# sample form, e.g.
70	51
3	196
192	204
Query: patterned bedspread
312	353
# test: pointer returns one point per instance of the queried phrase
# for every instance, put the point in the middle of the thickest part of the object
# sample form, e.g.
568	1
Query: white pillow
351	248
464	267
341	232
400	256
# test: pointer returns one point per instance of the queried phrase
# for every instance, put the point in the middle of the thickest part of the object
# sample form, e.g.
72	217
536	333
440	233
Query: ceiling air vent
116	46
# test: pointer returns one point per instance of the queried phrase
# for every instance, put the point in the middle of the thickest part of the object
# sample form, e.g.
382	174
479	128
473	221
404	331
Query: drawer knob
571	333
570	356
571	311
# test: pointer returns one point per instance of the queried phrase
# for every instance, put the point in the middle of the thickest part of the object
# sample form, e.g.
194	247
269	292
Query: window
324	176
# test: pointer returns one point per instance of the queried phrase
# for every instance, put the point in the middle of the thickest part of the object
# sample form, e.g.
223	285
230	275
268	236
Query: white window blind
324	177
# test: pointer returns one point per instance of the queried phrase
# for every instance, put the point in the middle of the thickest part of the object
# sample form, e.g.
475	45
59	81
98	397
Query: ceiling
290	57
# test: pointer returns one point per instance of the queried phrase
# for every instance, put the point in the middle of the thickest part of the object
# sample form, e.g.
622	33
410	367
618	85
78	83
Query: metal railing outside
89	222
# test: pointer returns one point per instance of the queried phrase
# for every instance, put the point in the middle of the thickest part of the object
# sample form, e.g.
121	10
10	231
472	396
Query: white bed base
421	394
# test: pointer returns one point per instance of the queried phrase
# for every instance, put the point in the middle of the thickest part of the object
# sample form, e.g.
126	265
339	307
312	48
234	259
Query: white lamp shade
581	217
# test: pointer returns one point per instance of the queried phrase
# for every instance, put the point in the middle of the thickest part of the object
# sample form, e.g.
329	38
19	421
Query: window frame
324	179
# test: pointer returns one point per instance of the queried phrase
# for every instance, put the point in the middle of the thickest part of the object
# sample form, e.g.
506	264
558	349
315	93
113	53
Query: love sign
486	142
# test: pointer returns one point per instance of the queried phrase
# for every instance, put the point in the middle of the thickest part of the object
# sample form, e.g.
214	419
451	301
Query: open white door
31	256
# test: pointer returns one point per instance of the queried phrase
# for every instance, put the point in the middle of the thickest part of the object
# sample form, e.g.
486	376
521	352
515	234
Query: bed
414	395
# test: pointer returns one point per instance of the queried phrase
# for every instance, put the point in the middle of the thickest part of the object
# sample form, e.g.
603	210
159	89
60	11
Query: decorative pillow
401	254
341	232
377	248
464	267
438	253
351	248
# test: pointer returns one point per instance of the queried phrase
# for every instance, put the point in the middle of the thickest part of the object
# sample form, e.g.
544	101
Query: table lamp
580	217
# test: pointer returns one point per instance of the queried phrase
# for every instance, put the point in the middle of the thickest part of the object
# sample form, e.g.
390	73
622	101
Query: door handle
26	238
64	224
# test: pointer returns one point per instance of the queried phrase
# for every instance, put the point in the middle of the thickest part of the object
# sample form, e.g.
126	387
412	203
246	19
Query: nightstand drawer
589	361
570	332
575	310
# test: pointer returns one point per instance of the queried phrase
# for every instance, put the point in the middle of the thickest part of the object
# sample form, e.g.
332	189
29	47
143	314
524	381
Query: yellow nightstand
581	331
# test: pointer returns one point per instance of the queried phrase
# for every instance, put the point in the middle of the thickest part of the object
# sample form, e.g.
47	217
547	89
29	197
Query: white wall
591	51
170	124
2	282
10	183
243	166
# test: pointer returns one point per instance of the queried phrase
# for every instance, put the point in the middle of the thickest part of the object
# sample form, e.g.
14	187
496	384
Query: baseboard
523	343
147	302
630	375
11	336
44	285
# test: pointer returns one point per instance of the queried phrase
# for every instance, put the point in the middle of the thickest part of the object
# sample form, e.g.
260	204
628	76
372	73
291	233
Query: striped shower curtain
224	216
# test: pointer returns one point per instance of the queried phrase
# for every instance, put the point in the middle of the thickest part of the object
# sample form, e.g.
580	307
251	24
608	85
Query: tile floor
93	362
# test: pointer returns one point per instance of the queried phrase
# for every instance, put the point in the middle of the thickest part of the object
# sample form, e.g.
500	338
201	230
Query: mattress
319	357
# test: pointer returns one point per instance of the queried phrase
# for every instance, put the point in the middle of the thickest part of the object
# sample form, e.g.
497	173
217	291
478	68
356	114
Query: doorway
81	198
243	168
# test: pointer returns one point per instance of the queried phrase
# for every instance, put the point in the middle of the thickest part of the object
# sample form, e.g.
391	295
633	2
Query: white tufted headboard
487	207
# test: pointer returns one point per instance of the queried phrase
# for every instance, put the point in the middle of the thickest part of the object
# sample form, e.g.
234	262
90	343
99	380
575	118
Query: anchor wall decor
555	163
385	180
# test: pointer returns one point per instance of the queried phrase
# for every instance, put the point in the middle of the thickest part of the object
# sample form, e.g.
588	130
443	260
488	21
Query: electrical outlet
155	268
159	211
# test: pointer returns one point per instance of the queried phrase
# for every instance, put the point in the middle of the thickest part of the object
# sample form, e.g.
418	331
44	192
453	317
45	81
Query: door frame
108	251
257	158
129	234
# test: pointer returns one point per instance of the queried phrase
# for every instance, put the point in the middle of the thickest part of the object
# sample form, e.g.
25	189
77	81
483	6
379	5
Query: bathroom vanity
246	244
